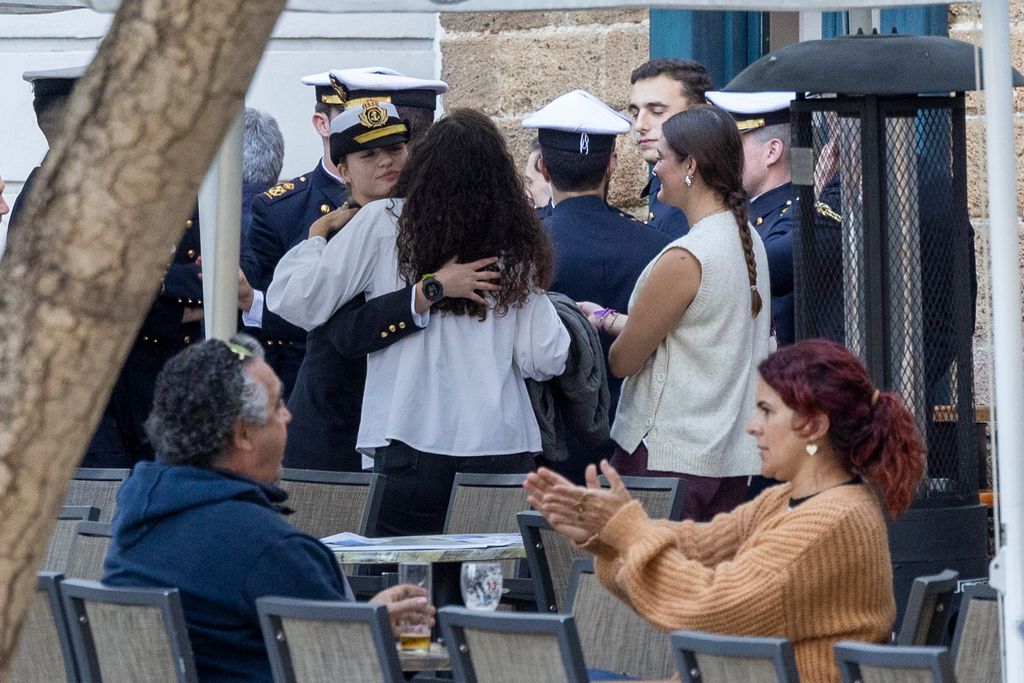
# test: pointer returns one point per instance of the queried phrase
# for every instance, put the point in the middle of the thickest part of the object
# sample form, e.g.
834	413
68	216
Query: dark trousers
705	496
418	485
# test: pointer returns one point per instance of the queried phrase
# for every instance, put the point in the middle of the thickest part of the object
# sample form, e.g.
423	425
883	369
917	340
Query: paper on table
350	541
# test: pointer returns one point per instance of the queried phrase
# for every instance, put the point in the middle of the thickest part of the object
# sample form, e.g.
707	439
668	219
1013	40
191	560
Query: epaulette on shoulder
825	210
283	189
624	214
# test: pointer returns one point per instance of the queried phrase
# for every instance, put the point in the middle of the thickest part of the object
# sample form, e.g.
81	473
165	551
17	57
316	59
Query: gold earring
811	448
688	180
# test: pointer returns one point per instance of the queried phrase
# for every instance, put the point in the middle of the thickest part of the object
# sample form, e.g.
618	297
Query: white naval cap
753	110
325	92
53	82
577	122
381	83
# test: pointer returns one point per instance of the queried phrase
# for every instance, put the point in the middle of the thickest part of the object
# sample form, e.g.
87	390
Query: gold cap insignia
373	115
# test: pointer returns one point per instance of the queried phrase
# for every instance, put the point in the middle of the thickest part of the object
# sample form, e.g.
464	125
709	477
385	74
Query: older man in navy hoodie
206	516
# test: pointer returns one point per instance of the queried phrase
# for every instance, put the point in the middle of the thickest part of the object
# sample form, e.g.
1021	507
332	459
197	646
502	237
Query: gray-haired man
205	517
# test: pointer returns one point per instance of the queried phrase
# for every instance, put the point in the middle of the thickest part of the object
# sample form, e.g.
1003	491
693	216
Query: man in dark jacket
206	516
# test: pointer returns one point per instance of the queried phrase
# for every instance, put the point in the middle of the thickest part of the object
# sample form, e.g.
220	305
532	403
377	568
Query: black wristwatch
432	288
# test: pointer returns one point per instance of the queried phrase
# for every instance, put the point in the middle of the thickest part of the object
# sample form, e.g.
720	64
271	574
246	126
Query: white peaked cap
323	79
579	112
750	102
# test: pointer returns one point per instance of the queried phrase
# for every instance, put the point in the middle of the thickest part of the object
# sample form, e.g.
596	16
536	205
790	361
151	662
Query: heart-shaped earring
811	448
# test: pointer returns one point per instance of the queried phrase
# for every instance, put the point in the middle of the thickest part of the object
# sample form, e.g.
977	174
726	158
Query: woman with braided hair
697	325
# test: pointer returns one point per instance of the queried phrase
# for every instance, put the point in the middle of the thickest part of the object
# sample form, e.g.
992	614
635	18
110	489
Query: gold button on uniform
191	253
302	179
392	328
401	326
188	223
325	208
383	335
759	221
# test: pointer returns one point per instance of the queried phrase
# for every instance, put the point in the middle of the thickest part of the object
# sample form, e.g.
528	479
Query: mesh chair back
661	497
44	653
497	647
58	551
303	637
978	636
327	503
96	487
926	618
486	504
128	634
89	550
613	636
714	658
870	663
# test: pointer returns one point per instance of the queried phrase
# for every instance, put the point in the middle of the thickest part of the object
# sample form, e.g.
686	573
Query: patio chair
88	551
97	487
892	663
926	617
44	654
713	658
327	503
59	548
550	555
304	639
501	647
126	635
612	635
977	640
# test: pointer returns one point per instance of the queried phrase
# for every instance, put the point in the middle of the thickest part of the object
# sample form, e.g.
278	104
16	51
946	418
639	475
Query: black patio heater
884	257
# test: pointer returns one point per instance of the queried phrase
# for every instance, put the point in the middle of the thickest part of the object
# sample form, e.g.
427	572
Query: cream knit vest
693	398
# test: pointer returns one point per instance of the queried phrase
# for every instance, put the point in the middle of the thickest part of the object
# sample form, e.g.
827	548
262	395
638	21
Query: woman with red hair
807	560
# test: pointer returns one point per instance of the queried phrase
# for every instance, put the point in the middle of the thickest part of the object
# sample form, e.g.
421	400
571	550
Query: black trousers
418	485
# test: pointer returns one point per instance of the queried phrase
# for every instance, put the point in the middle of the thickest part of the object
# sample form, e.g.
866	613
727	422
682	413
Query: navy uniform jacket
18	204
599	254
328	395
281	217
774	215
661	216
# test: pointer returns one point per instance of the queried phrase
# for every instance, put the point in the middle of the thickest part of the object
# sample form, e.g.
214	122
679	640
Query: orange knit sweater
816	574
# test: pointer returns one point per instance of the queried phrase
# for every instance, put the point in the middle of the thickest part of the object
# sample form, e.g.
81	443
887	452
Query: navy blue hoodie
219	538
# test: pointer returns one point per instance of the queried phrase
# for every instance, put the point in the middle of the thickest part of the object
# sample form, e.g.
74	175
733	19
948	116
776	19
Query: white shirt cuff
420	320
254	316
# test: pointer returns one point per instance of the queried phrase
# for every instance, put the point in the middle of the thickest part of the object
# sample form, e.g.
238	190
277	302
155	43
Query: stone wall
509	65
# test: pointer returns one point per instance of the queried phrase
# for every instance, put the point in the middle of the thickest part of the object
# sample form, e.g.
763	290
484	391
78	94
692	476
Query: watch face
433	290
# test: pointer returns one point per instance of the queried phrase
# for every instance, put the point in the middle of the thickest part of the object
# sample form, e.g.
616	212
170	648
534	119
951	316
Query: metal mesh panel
884	262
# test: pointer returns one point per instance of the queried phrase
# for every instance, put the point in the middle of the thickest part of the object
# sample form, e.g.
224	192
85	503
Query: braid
737	201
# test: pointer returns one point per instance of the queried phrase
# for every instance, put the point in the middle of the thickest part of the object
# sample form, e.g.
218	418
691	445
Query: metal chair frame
76	593
926	617
272	610
94	529
686	645
454	621
851	655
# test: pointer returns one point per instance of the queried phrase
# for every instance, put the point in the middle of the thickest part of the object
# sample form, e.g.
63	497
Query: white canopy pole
1008	568
220	217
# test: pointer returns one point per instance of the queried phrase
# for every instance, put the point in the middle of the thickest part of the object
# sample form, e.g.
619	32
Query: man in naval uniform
763	121
662	88
600	251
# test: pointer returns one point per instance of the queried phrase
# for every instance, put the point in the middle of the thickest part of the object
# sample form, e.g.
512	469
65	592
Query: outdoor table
382	554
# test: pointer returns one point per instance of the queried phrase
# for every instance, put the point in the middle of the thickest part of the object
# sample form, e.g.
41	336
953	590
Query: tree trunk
87	257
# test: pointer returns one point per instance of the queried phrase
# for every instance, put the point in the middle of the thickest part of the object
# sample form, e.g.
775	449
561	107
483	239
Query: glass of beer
414	632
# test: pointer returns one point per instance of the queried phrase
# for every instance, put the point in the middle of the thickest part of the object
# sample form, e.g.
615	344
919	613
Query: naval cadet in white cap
763	122
600	251
282	216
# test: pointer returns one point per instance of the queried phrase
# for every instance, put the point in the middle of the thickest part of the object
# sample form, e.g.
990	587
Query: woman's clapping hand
578	512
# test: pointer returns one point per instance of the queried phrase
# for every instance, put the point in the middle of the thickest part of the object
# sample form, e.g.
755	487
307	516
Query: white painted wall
302	43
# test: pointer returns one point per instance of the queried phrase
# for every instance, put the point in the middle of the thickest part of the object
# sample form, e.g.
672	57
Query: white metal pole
1008	567
220	216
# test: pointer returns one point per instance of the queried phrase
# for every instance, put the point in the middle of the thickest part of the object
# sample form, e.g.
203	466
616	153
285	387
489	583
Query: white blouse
455	388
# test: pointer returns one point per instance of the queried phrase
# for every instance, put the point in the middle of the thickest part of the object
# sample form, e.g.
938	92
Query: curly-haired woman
451	398
697	327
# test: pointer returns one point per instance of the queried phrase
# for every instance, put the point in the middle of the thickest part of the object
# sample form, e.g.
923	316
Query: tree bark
88	254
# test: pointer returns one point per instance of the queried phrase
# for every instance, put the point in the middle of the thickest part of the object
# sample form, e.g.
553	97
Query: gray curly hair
200	394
